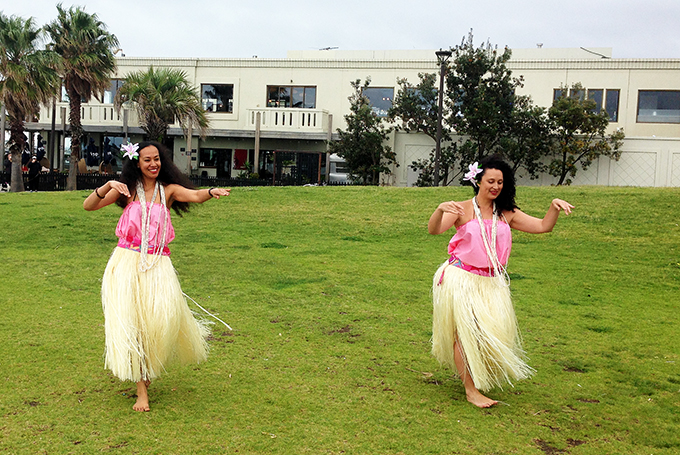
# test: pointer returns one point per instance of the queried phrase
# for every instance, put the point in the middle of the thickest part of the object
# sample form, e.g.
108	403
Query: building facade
275	117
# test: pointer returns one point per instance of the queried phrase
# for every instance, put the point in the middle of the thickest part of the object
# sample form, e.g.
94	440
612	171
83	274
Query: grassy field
328	292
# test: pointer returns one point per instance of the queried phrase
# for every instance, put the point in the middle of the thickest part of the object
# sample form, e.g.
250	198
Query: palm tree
162	97
87	62
27	79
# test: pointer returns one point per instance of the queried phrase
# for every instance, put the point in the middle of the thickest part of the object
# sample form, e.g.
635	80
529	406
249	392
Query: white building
302	99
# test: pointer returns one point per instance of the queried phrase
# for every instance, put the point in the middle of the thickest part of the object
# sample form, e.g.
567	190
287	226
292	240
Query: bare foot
142	404
479	400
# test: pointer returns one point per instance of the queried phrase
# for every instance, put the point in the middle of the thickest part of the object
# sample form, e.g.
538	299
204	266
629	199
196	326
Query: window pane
659	107
612	105
207	158
297	96
272	95
557	94
578	94
110	94
218	98
310	97
597	96
380	99
284	96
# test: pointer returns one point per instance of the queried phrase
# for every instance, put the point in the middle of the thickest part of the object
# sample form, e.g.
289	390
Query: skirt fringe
477	312
148	324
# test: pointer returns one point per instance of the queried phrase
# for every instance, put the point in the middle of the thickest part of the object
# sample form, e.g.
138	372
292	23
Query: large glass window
218	97
658	106
380	99
110	94
612	105
596	95
604	99
291	96
219	159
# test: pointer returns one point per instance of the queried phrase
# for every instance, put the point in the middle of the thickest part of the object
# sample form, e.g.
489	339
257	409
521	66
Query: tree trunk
76	137
18	141
563	173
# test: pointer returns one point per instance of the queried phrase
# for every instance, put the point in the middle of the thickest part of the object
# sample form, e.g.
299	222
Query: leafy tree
481	98
361	145
86	65
529	139
580	134
162	97
415	110
27	80
481	109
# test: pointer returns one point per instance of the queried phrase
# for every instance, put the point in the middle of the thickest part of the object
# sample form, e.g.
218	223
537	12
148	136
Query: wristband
210	192
97	193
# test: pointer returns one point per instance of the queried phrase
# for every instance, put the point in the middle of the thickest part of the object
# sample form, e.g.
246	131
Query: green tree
162	97
361	145
481	109
86	65
481	97
580	134
27	79
415	110
530	137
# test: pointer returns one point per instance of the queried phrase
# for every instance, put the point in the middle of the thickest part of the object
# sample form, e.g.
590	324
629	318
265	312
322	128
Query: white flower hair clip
130	151
473	173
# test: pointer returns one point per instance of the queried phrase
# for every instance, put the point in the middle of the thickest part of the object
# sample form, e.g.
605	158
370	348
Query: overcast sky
267	28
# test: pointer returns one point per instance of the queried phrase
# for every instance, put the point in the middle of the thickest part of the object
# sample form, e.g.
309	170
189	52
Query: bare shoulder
515	216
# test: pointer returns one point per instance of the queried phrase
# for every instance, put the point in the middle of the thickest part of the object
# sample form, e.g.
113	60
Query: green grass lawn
328	292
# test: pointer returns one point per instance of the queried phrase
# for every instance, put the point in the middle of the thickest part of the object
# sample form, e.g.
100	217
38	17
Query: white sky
267	28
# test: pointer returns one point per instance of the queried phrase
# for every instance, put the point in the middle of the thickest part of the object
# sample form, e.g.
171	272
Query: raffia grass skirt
477	311
148	324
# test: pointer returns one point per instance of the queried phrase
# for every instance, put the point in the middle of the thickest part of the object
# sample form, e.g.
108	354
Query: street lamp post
442	59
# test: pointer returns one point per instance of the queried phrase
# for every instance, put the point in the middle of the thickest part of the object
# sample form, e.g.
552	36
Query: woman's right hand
120	187
452	207
445	217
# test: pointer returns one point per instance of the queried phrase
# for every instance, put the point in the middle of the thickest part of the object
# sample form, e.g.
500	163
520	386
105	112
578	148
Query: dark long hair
168	174
506	199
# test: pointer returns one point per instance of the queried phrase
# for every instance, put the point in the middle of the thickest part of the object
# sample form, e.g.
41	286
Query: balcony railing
281	119
93	114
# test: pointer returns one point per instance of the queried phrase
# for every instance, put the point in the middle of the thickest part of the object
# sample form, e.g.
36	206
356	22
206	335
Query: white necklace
144	263
491	253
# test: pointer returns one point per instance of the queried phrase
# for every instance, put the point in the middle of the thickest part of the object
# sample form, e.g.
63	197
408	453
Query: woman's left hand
217	192
559	204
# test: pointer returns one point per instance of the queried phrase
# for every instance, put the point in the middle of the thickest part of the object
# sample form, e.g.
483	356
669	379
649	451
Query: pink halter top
129	229
467	246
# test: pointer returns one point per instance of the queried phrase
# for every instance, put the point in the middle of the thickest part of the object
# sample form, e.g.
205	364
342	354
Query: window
219	159
64	96
578	94
380	99
218	98
110	93
596	95
291	96
610	97
612	105
658	106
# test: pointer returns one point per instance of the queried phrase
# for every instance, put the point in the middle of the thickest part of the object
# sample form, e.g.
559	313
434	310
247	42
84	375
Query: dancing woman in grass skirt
147	321
474	324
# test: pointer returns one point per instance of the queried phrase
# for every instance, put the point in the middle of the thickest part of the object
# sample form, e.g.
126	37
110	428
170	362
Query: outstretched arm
445	217
105	195
180	194
526	223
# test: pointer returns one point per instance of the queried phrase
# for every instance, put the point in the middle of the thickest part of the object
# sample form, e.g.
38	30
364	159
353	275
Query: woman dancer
474	325
147	321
